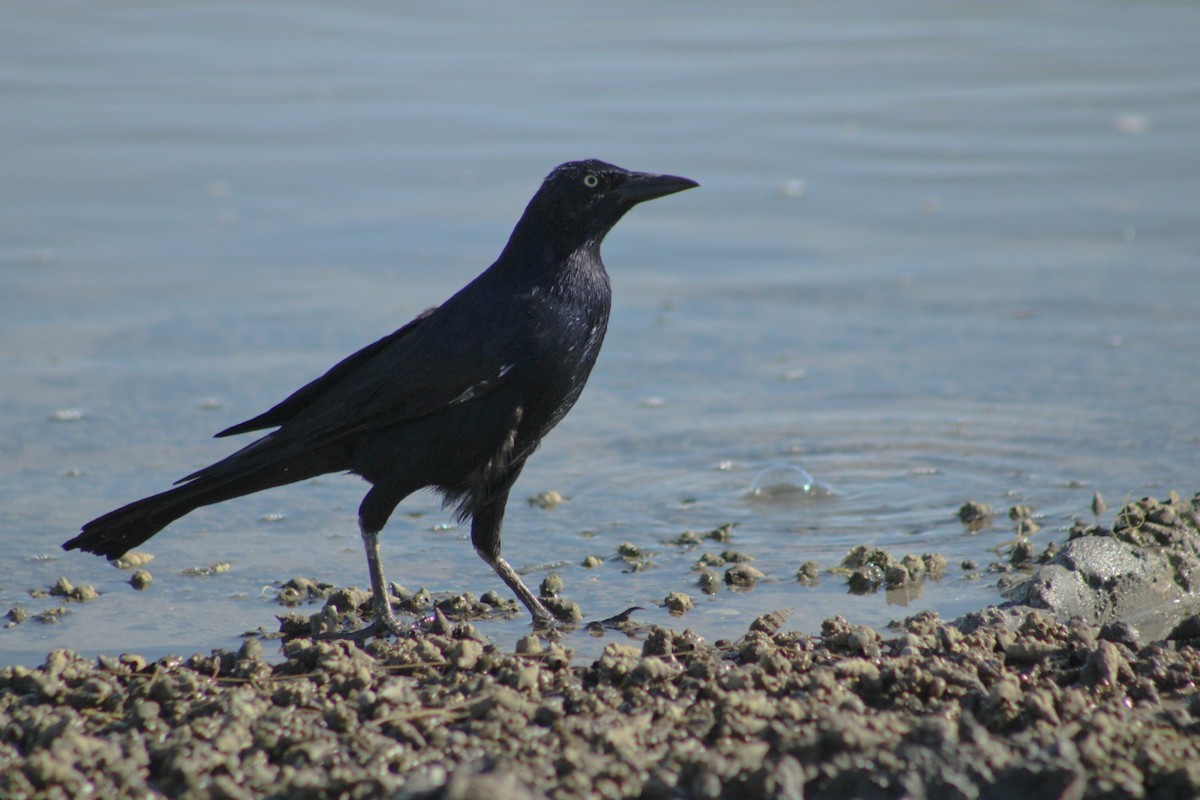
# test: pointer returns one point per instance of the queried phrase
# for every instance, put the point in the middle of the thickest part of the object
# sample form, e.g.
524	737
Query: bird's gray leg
485	535
541	617
385	619
373	514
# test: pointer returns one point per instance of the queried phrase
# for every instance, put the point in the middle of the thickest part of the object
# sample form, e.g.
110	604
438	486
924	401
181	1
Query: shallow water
941	252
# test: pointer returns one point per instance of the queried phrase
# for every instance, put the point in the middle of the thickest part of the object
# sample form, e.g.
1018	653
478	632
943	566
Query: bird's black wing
435	361
305	396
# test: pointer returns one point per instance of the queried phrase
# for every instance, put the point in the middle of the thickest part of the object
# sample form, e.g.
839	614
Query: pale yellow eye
591	181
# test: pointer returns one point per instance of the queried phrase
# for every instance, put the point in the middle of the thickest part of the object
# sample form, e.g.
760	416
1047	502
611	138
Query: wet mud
1082	685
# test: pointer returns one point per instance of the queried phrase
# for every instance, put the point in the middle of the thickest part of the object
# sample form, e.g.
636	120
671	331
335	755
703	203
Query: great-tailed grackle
456	400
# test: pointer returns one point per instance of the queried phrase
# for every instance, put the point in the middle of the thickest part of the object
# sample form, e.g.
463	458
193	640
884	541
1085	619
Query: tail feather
117	532
249	470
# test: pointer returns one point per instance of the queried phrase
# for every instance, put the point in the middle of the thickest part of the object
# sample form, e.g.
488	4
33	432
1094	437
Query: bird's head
580	201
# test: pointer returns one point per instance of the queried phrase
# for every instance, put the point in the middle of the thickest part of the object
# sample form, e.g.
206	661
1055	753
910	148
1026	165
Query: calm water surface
942	251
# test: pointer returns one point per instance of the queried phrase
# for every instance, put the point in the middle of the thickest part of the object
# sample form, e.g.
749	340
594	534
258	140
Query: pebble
678	603
743	576
975	515
809	574
78	594
552	585
548	499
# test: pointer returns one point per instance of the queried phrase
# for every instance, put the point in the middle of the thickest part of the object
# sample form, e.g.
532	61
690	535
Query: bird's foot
375	629
357	636
383	624
388	625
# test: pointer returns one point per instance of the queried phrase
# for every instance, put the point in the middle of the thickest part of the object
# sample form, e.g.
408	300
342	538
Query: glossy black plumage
456	400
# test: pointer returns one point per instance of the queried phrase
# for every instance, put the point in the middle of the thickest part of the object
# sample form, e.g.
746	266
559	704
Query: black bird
456	400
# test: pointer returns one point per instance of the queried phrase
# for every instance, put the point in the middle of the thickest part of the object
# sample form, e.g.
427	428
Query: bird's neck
535	252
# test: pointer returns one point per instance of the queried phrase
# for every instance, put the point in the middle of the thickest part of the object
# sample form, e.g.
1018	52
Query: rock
552	585
678	603
896	575
771	622
629	550
133	560
207	571
546	500
566	610
809	574
1129	575
1022	552
529	645
1187	630
743	576
1105	666
465	654
1122	633
78	594
974	514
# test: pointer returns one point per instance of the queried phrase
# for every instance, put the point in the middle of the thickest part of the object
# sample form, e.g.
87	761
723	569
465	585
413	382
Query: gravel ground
1066	700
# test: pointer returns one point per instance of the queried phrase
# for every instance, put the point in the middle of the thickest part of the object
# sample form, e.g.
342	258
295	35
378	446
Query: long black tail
118	531
252	469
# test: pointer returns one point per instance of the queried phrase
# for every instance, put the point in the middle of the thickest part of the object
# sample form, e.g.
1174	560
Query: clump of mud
1144	570
350	609
867	569
69	592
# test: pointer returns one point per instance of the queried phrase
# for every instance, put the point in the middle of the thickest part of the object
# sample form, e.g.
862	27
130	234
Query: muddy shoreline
1083	685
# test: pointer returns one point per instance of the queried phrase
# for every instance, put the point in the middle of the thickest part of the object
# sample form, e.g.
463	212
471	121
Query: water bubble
784	482
1131	124
794	188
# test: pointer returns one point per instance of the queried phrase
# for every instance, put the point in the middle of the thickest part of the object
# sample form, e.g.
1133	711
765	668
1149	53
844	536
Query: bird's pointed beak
643	186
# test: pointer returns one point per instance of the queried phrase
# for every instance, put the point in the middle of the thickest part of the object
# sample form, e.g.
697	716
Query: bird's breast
565	340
